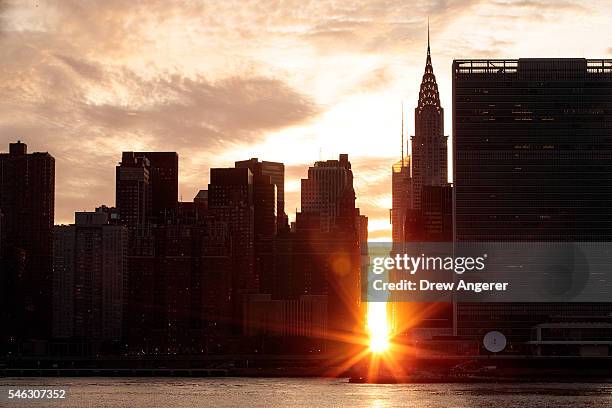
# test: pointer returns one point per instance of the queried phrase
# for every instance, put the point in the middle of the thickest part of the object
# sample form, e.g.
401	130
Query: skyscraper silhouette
532	162
27	197
429	145
133	190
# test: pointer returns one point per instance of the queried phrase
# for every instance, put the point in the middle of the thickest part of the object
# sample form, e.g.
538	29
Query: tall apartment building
276	172
90	278
163	178
230	199
133	196
27	198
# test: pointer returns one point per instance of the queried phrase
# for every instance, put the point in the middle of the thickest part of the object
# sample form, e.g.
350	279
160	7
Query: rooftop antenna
427	35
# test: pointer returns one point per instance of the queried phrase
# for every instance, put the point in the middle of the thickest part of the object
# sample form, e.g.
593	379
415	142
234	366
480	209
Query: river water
300	392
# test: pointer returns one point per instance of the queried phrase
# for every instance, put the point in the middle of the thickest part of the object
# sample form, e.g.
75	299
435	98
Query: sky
294	81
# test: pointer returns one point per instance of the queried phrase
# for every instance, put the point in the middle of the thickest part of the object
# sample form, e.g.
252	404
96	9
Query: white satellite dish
494	341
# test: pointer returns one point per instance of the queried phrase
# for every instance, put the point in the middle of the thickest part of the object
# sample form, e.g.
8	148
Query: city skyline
278	84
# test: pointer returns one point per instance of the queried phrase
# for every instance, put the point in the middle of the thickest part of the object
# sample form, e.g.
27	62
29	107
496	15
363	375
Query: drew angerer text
425	285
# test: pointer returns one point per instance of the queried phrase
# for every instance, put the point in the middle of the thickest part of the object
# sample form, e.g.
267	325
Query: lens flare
378	327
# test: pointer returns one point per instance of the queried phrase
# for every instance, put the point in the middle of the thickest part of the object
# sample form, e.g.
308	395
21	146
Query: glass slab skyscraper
532	162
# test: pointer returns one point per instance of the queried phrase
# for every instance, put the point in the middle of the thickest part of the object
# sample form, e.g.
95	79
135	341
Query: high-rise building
267	177
326	243
401	196
532	162
27	197
64	242
276	172
427	166
180	292
163	177
133	190
420	194
90	278
230	199
2	237
328	194
429	144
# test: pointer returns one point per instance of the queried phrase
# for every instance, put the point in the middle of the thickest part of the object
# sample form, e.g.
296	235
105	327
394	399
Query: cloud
86	79
85	112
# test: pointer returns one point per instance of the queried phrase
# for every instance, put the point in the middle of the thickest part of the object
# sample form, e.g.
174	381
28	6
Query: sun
378	327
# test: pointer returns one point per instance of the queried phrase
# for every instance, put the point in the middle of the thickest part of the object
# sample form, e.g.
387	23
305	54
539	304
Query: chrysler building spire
429	145
428	94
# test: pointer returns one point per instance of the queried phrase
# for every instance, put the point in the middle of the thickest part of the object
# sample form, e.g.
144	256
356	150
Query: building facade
27	199
133	198
90	278
429	144
163	177
532	162
276	172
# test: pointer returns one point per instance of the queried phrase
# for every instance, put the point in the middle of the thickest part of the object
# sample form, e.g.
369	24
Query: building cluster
224	273
532	162
422	199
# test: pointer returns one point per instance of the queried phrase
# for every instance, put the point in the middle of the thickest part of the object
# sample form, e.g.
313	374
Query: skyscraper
427	166
163	177
230	199
401	193
421	211
532	162
327	249
276	172
90	278
133	190
64	241
429	144
268	178
328	194
27	197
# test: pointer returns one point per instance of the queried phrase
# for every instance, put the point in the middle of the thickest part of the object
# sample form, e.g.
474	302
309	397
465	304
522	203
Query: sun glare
378	327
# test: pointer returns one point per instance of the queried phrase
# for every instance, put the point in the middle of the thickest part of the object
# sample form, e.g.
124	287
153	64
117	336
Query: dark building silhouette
90	278
268	180
147	188
64	245
328	195
27	196
230	199
433	222
324	250
422	210
133	193
276	172
180	291
429	144
401	191
2	237
427	166
532	162
163	177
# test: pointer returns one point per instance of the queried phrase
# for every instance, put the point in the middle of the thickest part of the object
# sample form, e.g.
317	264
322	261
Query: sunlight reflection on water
288	392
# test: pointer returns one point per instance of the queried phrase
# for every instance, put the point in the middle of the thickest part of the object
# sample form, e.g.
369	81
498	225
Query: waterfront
300	392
